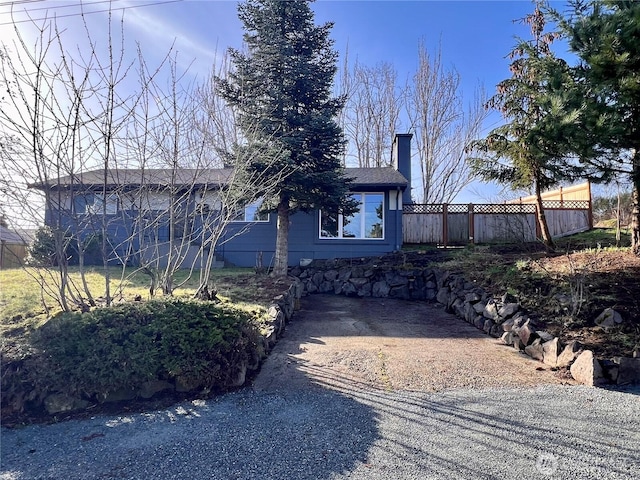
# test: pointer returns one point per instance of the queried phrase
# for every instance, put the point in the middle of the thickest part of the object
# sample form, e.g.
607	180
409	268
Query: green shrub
121	347
42	252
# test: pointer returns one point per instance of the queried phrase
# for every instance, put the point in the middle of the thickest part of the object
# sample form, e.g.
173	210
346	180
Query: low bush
89	355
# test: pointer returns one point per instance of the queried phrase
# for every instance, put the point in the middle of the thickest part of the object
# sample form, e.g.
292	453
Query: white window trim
362	221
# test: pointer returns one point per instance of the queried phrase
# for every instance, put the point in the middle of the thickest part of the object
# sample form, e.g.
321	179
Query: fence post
471	225
445	224
590	214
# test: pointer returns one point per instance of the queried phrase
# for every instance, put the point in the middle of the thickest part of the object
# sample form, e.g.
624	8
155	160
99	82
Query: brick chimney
401	160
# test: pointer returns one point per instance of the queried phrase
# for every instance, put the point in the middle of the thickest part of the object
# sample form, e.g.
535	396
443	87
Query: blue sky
475	36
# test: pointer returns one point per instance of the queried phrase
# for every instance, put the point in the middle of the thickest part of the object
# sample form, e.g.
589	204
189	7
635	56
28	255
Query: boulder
496	331
365	290
610	370
344	274
507	325
431	294
239	378
325	287
527	333
491	310
152	387
397	280
508	310
545	336
443	296
469	312
551	351
380	289
535	350
187	384
121	395
507	338
349	289
331	275
472	297
479	307
568	355
608	318
587	370
61	402
488	324
519	320
458	307
358	282
401	291
517	343
628	370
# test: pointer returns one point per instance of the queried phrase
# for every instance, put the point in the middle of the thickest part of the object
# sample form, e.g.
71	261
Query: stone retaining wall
500	317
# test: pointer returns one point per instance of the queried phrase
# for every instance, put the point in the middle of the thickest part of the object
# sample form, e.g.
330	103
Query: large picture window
366	223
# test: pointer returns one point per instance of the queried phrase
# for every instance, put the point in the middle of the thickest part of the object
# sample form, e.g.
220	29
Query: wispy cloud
161	32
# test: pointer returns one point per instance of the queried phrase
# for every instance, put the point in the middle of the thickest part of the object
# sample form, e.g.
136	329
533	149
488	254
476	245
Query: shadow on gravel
295	434
500	433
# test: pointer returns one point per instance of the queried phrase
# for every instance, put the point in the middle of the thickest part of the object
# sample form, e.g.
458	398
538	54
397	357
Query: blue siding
242	250
304	241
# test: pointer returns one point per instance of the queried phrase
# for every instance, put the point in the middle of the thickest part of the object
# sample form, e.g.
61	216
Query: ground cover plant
92	354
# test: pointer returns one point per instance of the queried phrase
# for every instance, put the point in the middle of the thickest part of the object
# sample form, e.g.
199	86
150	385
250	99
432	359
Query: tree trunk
635	199
281	261
542	220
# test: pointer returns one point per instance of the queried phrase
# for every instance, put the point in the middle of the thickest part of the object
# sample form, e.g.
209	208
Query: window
252	213
366	223
100	204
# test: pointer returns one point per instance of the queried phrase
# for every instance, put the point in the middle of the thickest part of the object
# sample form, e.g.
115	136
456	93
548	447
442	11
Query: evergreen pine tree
530	151
281	87
606	37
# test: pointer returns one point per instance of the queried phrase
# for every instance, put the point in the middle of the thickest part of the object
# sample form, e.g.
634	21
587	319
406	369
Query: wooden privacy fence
461	224
11	255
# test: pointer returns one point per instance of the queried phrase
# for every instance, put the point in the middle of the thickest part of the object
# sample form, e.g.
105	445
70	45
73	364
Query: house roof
135	176
380	177
9	236
383	177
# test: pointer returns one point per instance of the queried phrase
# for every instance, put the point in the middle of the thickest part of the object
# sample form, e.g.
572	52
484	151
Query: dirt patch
349	343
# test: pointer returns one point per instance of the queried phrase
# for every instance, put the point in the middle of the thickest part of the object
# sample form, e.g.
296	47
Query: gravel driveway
409	395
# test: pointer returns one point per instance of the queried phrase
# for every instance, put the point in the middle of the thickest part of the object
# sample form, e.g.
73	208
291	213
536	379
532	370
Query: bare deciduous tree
443	127
69	114
371	115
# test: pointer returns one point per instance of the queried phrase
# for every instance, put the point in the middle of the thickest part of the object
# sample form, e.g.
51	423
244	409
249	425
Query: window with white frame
103	204
251	213
366	223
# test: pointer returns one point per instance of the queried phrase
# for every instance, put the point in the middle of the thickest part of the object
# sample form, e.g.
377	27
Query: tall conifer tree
281	85
606	37
530	150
